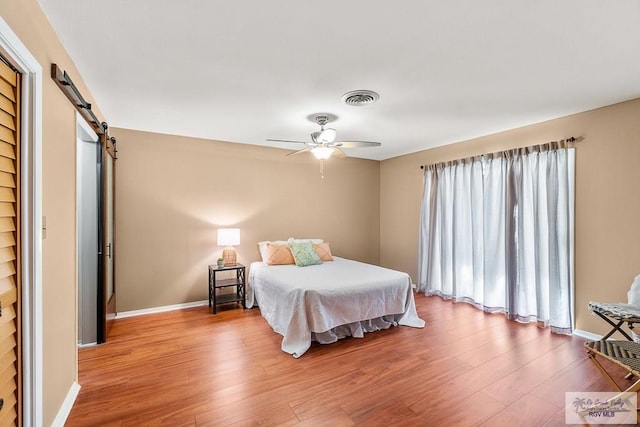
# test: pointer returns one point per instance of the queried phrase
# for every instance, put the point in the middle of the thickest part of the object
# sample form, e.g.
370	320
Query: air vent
359	98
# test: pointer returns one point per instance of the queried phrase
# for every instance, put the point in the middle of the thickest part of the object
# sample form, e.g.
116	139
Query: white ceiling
446	71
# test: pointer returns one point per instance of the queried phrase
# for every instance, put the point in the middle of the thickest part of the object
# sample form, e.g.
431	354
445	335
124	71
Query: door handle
109	250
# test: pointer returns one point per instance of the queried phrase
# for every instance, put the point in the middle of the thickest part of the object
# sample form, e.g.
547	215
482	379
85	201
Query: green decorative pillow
304	254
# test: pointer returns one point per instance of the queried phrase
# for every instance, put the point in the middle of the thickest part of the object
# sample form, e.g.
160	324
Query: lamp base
229	255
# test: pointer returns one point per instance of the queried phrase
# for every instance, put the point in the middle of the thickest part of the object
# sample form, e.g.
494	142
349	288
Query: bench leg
595	361
635	387
616	327
632	388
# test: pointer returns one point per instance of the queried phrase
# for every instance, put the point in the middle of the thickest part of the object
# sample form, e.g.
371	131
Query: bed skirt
355	329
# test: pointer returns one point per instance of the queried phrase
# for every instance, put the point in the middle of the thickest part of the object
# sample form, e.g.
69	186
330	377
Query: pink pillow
279	254
323	250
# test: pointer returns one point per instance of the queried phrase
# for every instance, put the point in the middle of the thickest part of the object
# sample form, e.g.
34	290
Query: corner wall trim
65	409
162	309
588	335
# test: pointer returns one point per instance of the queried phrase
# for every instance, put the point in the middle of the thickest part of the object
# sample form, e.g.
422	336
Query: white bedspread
329	301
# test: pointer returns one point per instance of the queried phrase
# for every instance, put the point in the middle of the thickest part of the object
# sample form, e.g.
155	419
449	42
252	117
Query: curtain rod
571	139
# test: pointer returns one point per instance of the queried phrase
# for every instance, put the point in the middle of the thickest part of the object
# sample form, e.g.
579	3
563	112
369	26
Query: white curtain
497	231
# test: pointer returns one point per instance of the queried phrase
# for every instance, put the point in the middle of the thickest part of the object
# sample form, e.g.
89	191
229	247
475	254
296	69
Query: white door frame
31	204
84	135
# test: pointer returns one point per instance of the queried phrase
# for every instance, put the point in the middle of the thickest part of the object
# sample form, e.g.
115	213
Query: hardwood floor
189	367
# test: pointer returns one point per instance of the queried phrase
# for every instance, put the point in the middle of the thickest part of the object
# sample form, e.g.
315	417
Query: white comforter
330	301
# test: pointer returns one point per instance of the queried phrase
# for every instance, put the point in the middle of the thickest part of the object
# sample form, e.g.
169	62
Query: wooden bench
623	353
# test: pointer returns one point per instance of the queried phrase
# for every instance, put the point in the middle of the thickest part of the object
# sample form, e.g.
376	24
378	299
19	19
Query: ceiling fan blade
338	152
286	140
357	144
299	151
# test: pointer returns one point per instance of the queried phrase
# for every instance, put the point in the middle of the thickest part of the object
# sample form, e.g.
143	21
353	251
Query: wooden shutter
10	357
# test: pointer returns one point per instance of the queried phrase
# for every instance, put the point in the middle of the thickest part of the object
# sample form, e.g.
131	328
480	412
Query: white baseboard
588	335
67	404
162	309
89	344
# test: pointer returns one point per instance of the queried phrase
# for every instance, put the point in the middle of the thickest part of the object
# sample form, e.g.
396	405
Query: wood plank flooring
465	368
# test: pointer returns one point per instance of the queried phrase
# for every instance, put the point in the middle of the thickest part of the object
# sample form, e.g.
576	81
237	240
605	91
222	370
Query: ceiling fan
323	142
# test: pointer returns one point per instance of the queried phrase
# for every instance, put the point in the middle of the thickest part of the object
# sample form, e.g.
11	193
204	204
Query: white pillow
304	240
634	292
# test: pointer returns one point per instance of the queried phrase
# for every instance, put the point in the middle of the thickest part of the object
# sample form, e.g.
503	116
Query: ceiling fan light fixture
326	135
322	153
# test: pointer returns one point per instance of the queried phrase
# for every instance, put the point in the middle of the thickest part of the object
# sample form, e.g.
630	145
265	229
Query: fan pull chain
322	168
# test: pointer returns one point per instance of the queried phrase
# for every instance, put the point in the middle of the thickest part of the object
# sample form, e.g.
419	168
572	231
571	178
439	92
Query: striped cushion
627	312
623	353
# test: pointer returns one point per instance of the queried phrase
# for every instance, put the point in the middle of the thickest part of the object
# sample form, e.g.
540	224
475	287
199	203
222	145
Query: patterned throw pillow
262	246
323	250
279	254
304	254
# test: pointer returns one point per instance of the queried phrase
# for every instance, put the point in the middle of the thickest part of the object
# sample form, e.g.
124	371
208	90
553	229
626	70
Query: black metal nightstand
238	282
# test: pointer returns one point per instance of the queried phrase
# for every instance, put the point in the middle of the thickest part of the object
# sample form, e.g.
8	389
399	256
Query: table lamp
228	237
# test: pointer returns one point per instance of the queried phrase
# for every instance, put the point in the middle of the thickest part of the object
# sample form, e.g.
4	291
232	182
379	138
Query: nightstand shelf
215	284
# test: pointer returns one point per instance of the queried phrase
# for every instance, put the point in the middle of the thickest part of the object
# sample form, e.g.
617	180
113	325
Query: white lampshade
322	153
228	236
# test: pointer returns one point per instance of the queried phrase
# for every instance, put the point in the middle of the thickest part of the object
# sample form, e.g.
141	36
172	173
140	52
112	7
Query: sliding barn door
106	267
10	366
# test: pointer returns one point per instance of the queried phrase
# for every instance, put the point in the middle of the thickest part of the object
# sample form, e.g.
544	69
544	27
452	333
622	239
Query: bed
330	301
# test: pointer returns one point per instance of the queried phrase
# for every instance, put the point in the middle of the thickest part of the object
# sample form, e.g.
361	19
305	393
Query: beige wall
607	199
173	193
58	202
167	221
